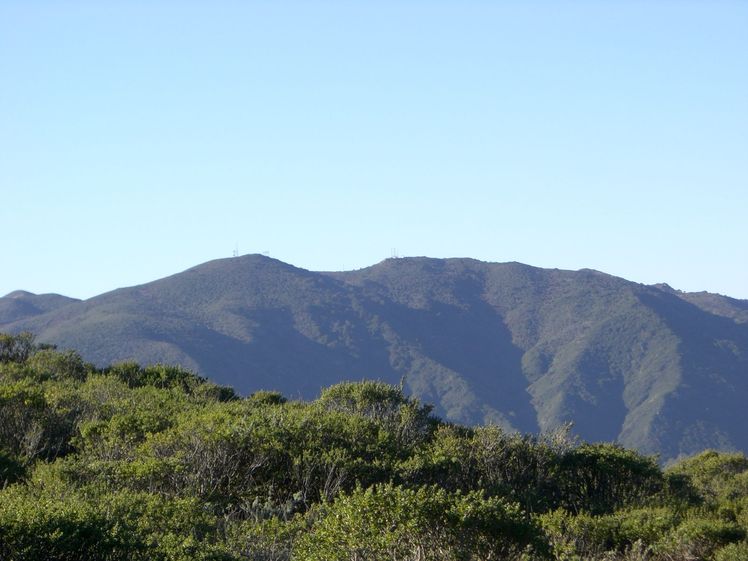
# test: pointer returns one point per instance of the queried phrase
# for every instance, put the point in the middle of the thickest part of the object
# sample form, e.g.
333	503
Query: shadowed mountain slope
653	368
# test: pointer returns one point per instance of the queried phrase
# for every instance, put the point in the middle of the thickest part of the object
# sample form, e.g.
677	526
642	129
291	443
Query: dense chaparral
134	462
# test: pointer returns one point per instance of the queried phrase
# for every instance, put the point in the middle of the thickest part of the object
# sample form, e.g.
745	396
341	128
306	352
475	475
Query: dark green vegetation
528	349
156	463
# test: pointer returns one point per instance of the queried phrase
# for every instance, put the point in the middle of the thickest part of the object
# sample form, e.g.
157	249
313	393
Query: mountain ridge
528	348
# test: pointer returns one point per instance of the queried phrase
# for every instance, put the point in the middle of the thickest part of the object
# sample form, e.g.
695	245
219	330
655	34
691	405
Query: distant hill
21	305
651	367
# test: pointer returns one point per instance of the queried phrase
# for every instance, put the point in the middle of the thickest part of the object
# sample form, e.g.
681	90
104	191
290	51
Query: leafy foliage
134	463
389	522
16	348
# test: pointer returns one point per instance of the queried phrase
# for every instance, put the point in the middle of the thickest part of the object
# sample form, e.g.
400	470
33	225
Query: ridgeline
528	349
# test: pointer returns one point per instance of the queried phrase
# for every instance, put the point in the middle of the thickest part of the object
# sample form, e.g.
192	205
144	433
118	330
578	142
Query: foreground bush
389	522
132	463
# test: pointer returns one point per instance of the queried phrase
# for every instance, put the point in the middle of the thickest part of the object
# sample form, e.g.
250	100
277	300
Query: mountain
20	305
650	367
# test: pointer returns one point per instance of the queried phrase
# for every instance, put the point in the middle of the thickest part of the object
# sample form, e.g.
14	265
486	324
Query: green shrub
645	525
11	470
699	538
264	397
265	540
582	536
717	476
600	478
409	420
394	523
732	552
35	528
16	348
49	364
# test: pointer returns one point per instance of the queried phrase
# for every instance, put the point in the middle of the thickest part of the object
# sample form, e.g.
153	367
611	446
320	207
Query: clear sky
140	138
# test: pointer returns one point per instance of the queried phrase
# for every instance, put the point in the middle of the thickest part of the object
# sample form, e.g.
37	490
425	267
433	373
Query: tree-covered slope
527	348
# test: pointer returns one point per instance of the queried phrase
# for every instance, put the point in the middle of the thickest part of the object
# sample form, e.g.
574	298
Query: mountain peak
19	295
247	261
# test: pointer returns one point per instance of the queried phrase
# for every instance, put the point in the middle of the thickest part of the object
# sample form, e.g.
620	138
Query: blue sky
138	139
